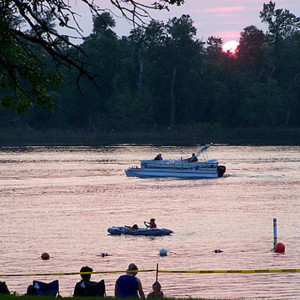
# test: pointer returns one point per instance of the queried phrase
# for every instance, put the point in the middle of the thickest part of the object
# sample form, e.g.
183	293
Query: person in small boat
158	157
129	285
132	228
156	293
150	224
193	158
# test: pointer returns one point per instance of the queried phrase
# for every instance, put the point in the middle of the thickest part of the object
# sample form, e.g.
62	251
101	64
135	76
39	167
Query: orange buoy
45	256
279	248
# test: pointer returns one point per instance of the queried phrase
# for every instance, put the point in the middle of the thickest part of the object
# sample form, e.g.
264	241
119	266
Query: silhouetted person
150	224
88	288
129	285
158	157
193	158
156	293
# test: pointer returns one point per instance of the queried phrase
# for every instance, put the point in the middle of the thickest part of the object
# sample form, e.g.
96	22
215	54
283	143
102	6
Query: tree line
161	76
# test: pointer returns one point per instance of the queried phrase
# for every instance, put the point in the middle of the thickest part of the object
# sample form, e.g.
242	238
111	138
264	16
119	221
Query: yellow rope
70	273
233	271
159	271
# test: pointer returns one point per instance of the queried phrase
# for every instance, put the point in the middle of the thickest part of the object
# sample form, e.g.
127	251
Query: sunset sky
221	18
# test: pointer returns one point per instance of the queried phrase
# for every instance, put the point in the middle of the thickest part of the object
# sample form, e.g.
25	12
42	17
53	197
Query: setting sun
230	46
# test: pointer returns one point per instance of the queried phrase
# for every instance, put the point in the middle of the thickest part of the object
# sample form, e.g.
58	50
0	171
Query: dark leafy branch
26	27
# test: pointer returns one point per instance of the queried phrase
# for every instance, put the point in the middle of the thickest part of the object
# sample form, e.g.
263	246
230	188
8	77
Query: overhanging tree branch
27	25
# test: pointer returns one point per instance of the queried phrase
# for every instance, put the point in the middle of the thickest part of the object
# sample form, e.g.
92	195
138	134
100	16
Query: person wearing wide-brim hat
129	285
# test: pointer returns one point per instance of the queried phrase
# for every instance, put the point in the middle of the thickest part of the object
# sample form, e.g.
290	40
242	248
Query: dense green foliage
162	77
32	49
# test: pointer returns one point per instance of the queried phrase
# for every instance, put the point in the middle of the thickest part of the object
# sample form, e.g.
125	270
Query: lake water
61	200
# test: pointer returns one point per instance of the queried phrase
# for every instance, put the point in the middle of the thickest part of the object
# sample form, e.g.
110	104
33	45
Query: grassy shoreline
255	137
10	297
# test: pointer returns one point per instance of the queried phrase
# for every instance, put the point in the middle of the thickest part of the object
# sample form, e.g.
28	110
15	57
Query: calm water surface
61	200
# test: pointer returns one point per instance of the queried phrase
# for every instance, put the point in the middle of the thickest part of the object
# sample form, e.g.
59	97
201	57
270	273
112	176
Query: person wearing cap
129	285
150	224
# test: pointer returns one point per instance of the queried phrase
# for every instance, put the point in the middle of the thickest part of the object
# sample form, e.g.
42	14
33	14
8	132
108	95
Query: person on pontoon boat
193	158
158	157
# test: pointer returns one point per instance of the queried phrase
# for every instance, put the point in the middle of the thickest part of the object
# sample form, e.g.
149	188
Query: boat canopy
203	149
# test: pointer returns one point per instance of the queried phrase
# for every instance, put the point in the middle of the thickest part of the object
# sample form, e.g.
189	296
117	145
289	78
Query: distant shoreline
243	137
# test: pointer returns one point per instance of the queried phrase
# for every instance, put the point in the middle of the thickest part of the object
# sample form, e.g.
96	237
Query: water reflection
61	200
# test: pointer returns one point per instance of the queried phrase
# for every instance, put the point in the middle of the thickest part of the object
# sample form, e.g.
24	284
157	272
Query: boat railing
178	164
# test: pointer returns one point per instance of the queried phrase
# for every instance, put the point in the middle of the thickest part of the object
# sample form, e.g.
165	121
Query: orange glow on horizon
230	46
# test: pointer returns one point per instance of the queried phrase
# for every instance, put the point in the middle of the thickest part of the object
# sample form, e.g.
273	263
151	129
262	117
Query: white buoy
163	252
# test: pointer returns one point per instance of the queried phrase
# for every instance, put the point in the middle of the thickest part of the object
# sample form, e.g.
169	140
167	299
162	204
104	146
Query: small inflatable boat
141	231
